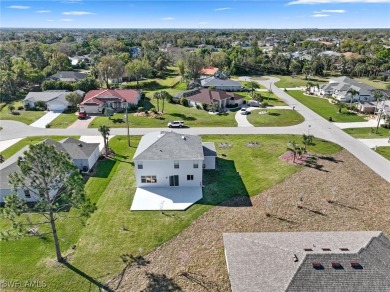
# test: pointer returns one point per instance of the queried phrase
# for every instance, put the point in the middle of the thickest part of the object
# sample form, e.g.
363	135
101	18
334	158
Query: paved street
313	124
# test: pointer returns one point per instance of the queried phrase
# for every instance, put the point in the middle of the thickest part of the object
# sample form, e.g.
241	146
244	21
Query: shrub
141	109
2	105
183	101
40	104
153	110
20	108
11	108
265	104
15	113
199	107
204	106
27	107
48	125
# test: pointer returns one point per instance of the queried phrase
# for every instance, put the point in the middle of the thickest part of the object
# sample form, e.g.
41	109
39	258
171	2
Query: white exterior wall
163	169
21	195
93	158
209	162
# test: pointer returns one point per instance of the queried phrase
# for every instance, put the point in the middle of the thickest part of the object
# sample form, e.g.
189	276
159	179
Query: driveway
372	143
369	124
8	143
46	119
241	119
82	124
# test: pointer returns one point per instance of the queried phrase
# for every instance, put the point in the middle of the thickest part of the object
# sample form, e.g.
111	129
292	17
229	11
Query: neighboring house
55	100
169	170
339	88
221	84
84	156
308	261
366	107
76	60
208	71
95	100
222	99
68	76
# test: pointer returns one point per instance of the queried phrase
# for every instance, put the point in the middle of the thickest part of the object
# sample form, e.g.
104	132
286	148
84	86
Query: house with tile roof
95	100
169	170
308	261
55	100
208	70
84	156
220	98
339	88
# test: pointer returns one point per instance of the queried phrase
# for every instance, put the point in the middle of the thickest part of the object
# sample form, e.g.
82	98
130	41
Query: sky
196	14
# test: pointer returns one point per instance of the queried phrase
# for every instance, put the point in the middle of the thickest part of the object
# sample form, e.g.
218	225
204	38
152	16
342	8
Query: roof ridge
160	132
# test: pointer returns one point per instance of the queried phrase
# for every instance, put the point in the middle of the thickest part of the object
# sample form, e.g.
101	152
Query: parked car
82	115
253	103
244	111
176	124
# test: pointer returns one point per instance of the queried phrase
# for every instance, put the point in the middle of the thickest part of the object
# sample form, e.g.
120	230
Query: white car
176	124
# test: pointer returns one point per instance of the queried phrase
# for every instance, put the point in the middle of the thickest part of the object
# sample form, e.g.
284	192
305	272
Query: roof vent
318	266
337	266
80	145
183	137
308	249
344	249
295	258
356	266
326	249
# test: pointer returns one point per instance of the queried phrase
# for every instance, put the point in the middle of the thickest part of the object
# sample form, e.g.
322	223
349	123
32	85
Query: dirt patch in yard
346	196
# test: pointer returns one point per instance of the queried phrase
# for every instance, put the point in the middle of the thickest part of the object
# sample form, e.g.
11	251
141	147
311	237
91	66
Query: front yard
191	116
368	133
247	165
274	118
325	109
384	151
64	120
27	117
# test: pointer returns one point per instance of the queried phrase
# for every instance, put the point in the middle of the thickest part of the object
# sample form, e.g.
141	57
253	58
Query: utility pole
127	125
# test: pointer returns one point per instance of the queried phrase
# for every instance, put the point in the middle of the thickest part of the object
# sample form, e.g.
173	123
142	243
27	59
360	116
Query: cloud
223	8
334	11
66	19
19	7
335	1
78	13
320	15
167	18
43	11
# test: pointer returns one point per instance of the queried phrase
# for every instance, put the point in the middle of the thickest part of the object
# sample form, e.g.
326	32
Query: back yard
247	165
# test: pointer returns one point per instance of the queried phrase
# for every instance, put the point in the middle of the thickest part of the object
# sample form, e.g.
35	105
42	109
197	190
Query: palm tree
157	96
352	92
377	96
307	140
105	131
164	96
253	86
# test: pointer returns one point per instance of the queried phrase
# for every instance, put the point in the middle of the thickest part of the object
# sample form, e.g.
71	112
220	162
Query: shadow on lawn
103	168
183	117
92	280
224	188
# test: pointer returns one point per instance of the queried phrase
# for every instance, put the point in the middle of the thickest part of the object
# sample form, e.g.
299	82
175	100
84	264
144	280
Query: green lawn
191	116
368	133
23	116
113	230
324	108
374	83
64	120
384	151
297	81
275	118
7	153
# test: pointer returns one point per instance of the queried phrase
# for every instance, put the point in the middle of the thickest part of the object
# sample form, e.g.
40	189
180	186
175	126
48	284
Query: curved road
314	124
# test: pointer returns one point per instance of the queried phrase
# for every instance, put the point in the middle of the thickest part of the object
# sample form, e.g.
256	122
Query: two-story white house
169	170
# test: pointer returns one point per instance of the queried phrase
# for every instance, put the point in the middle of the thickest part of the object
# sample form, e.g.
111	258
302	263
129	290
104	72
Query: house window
140	165
176	164
196	164
190	177
27	194
148	179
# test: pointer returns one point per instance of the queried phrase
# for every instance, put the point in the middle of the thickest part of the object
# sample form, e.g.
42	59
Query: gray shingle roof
209	149
47	95
277	261
75	148
212	81
5	172
169	146
70	76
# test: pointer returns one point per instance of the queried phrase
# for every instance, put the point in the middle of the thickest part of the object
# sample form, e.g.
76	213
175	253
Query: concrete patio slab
8	143
165	198
46	119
